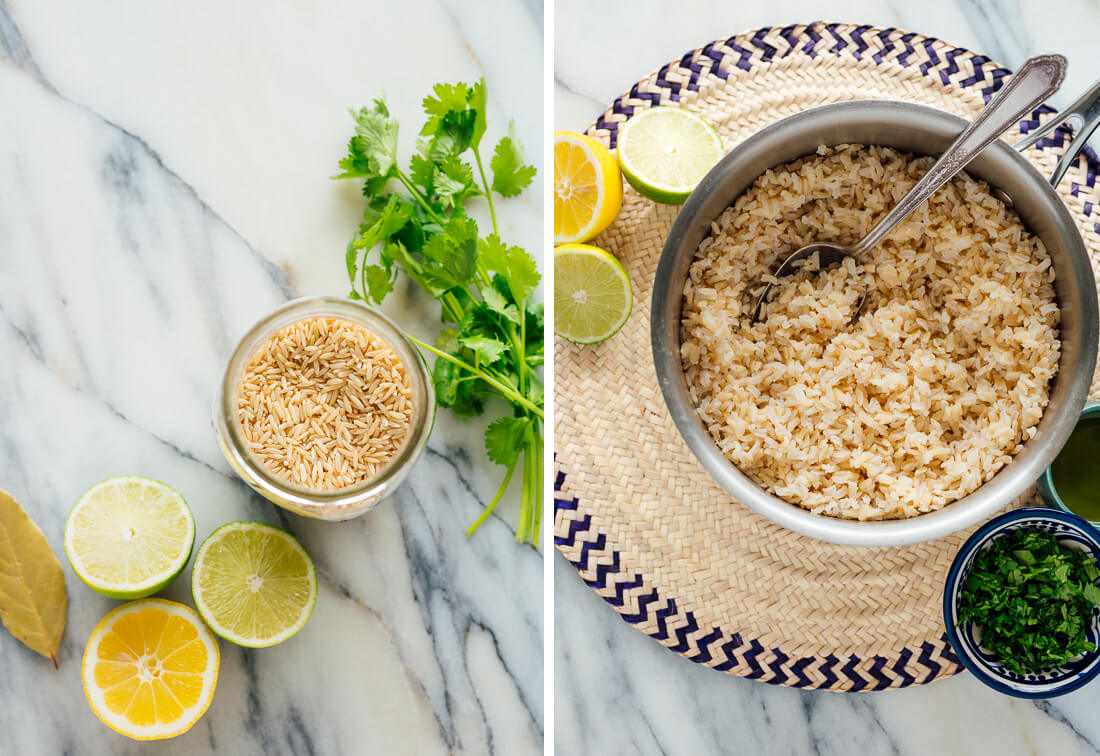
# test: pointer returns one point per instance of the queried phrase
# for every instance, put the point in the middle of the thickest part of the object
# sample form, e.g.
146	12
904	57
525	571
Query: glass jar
343	503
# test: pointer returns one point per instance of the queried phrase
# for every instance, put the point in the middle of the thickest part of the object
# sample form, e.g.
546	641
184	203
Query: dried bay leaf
33	600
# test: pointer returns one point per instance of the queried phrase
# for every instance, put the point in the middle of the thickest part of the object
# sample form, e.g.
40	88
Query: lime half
253	584
592	294
665	152
129	537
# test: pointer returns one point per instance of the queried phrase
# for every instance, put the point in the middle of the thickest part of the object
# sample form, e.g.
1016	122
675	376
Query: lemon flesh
592	294
129	537
253	584
665	152
588	188
150	669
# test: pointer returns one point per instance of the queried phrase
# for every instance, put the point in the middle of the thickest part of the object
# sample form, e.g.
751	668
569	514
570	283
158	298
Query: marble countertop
164	182
617	691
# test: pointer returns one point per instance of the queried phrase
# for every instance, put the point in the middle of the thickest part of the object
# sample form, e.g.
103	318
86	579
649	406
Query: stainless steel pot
922	131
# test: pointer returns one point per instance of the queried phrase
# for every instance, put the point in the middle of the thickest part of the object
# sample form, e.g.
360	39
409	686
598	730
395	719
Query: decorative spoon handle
1036	80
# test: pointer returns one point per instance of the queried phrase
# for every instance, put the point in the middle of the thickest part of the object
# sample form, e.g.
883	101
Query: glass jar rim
382	326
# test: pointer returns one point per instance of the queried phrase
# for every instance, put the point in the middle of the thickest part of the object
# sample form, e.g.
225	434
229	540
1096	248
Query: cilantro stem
507	391
492	504
488	190
452	307
521	350
411	187
536	449
523	528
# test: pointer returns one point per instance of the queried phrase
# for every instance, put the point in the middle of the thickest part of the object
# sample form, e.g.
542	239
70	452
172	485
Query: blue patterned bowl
965	638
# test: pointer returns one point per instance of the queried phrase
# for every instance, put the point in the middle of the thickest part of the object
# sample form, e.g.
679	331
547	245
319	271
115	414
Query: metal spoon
1036	80
1083	115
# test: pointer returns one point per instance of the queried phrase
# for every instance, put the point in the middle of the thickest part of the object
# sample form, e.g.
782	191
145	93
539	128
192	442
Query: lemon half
588	188
150	669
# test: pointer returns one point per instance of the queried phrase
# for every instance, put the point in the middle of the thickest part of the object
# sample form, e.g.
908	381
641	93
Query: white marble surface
163	183
617	691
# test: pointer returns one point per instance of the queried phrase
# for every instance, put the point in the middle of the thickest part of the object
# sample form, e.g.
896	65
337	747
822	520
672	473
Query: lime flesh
129	537
253	584
592	294
665	152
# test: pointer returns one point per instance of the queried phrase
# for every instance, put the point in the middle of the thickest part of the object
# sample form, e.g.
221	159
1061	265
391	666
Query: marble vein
15	48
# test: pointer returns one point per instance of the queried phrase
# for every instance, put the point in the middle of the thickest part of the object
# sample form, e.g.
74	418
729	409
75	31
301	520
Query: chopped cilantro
1032	597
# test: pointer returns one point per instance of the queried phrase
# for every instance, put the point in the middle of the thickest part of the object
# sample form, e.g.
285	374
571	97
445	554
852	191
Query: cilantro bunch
492	344
1032	597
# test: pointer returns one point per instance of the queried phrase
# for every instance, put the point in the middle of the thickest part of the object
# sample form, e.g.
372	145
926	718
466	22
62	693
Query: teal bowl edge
1046	480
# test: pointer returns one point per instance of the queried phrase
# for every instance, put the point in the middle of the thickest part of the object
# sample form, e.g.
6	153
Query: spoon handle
1036	80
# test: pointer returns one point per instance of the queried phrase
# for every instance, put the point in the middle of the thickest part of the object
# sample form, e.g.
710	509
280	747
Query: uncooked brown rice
928	395
324	404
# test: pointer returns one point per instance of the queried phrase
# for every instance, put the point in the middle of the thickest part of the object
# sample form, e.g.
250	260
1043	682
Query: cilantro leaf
1092	593
392	219
506	437
449	99
372	152
477	98
453	389
445	377
351	259
516	267
447	340
535	390
535	328
422	170
510	174
355	164
376	281
450	258
379	282
488	350
497	301
453	182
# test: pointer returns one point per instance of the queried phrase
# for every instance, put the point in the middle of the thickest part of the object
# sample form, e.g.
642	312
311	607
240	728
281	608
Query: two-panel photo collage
563	377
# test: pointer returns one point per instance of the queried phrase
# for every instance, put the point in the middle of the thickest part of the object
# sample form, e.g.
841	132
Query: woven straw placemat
640	519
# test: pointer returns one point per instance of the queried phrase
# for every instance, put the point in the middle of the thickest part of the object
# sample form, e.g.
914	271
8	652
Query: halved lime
592	294
253	584
129	537
665	152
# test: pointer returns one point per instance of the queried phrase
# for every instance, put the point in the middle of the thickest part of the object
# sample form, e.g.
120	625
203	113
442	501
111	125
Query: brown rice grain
324	404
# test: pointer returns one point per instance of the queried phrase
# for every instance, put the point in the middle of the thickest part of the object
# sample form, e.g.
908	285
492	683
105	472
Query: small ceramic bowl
1046	482
965	638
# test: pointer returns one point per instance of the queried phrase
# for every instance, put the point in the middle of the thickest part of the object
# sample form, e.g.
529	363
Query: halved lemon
150	669
588	187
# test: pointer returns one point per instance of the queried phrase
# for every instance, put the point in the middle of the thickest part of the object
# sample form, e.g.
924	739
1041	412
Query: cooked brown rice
928	395
324	404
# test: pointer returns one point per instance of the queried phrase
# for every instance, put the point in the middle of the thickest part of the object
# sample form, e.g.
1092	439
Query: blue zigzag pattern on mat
683	628
708	60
